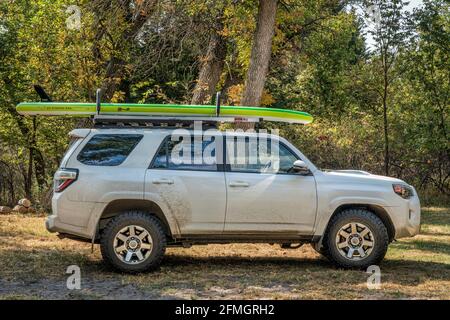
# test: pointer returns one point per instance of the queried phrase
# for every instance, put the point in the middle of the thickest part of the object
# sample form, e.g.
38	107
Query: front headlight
403	190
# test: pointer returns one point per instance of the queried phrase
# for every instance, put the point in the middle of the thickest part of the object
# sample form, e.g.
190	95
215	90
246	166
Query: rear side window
108	149
185	155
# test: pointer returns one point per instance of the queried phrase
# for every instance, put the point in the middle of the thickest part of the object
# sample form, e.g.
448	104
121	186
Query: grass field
33	263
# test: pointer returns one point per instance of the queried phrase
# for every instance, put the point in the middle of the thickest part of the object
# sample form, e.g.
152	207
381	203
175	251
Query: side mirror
300	167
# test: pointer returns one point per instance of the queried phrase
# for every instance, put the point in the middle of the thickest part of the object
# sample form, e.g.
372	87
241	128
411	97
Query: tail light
403	191
64	178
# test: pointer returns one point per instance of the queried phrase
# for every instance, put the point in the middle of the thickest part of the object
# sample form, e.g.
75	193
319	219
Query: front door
264	195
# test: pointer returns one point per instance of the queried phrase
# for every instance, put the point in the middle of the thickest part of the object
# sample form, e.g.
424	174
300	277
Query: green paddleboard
239	113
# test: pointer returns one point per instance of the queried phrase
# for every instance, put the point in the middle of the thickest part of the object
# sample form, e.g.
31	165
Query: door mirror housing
300	166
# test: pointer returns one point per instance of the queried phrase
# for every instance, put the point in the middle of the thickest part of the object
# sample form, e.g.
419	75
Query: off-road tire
366	217
145	220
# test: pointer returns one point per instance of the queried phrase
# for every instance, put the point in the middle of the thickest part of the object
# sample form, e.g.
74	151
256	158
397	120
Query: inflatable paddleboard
239	113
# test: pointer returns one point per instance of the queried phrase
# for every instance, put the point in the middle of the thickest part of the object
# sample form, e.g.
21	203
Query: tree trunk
386	138
385	115
39	168
211	69
261	51
29	175
259	58
136	15
35	158
115	71
232	77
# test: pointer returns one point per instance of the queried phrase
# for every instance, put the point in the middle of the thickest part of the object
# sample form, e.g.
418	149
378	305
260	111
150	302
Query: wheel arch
379	211
119	206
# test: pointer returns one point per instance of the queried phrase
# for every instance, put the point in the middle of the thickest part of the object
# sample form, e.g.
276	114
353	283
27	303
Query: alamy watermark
73	21
206	147
374	280
372	16
74	280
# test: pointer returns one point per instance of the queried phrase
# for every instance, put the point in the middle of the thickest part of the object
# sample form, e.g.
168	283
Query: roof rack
105	120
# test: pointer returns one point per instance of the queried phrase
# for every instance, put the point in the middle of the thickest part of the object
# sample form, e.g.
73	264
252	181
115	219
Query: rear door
185	173
264	195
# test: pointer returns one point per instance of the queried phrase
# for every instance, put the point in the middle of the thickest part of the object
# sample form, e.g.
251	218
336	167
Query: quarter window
108	149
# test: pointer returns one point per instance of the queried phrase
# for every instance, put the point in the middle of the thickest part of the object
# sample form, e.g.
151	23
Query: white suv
131	190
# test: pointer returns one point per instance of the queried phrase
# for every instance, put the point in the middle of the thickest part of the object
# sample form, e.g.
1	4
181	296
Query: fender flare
325	214
169	218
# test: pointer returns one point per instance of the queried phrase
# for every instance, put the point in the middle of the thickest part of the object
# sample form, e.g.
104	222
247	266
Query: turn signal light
64	178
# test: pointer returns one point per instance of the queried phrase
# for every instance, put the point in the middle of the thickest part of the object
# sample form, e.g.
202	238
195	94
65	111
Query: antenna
218	104
98	98
42	94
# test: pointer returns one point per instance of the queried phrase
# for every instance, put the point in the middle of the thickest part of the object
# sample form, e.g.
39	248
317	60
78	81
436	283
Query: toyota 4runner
136	191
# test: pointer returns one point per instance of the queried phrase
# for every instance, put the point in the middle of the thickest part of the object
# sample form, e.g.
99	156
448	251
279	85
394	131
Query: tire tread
381	244
134	216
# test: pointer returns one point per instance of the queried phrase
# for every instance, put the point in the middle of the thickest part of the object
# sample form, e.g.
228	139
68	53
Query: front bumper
408	222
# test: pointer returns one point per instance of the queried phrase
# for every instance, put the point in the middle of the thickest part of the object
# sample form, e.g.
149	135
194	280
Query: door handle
162	181
242	184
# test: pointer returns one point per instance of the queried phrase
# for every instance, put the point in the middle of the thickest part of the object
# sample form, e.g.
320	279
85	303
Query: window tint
256	155
108	149
187	155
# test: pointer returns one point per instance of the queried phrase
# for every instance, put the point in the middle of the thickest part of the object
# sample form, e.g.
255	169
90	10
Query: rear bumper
52	224
69	217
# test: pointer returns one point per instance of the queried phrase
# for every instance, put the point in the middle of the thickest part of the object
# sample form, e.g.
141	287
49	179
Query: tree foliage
379	95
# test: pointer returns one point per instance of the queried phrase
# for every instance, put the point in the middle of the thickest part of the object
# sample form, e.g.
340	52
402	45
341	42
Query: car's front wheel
356	238
133	242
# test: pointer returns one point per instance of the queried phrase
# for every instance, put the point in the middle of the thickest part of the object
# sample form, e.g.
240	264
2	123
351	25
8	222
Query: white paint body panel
271	203
196	199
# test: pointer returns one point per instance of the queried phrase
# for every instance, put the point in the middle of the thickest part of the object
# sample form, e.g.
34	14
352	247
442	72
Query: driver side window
258	155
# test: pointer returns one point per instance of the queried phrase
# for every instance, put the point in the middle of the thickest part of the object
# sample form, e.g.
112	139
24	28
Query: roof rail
109	121
114	121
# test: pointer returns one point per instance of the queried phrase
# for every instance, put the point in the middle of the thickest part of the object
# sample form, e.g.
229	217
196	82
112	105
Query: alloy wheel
133	244
355	241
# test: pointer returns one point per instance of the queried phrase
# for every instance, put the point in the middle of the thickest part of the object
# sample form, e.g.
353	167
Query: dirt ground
33	265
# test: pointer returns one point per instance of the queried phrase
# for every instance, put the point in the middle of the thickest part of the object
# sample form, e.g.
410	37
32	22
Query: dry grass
33	264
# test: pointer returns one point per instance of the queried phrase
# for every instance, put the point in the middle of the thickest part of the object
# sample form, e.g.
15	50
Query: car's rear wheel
133	242
356	238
